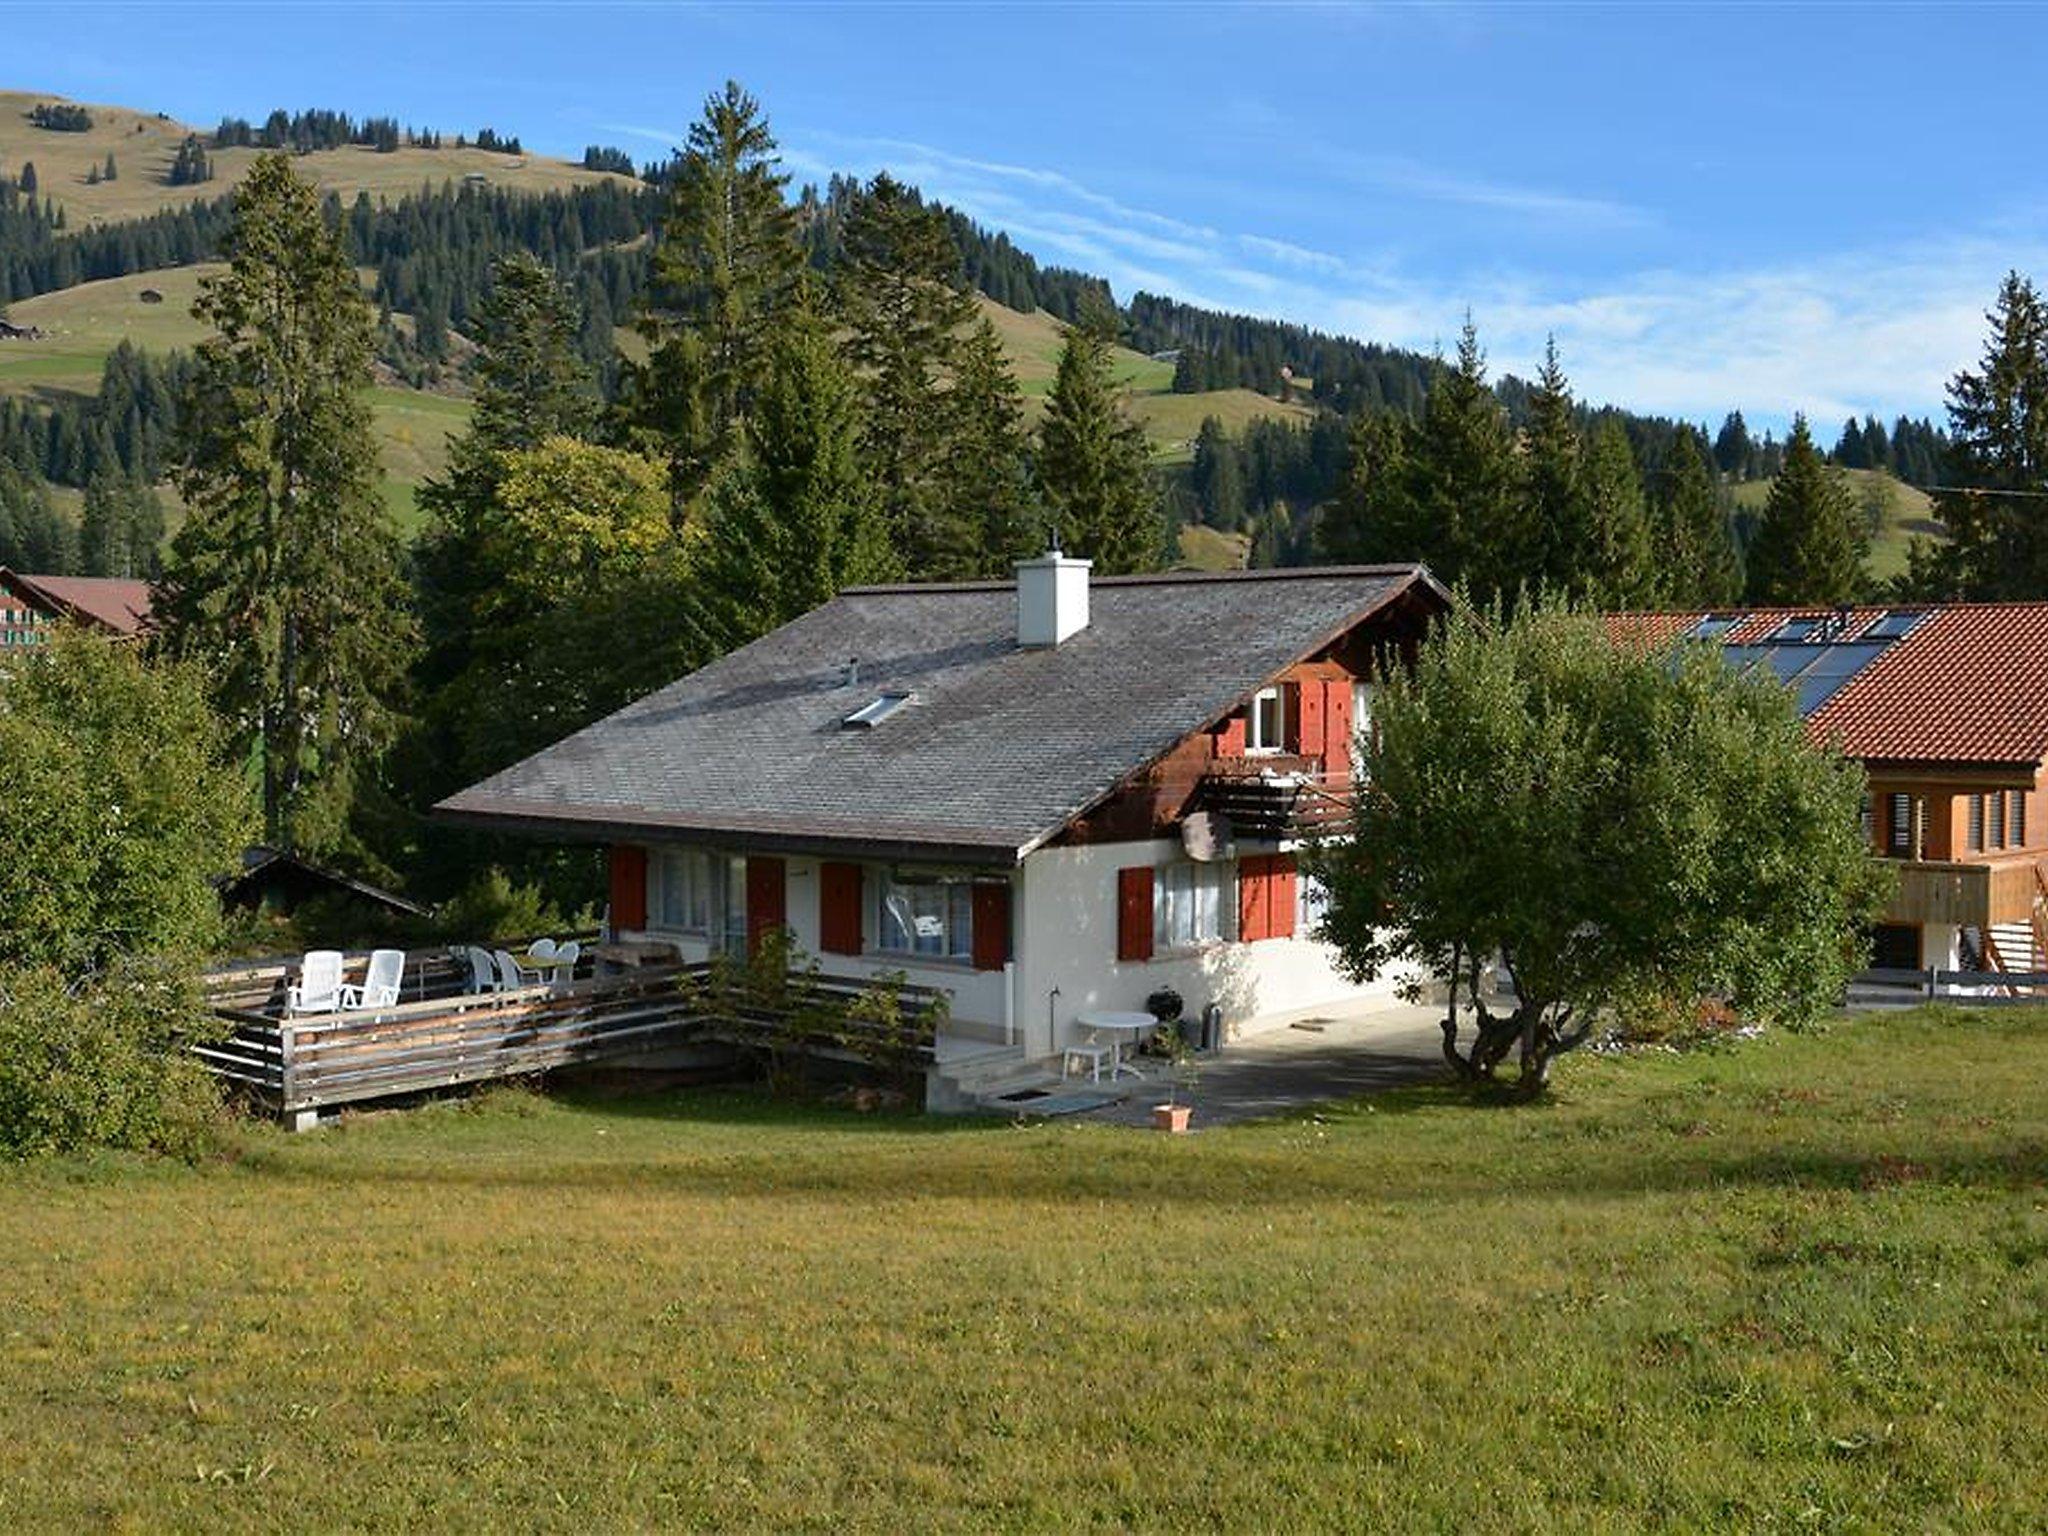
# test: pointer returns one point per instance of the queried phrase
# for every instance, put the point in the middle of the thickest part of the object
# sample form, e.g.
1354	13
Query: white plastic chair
511	974
381	983
541	949
483	975
318	989
565	962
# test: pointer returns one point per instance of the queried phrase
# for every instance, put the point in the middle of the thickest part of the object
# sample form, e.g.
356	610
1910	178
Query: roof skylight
875	711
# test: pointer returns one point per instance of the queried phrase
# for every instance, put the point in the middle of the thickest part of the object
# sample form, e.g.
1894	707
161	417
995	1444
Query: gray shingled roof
999	749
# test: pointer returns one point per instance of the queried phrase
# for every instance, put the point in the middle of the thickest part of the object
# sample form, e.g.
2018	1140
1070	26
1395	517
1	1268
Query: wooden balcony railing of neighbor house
1276	798
300	1064
1979	895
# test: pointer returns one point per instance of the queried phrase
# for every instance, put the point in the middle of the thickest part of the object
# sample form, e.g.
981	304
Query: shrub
102	1063
492	907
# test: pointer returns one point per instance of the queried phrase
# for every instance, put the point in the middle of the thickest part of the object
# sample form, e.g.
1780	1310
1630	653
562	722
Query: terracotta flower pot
1171	1117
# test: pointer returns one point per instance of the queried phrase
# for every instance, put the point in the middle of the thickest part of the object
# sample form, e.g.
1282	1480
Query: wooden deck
301	1065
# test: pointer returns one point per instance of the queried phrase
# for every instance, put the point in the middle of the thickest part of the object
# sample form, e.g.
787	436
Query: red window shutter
991	926
1309	731
1254	901
1280	896
1230	740
1134	913
1337	728
838	908
628	886
767	899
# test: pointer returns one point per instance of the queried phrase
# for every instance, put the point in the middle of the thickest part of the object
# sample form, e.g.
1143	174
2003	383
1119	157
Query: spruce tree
1218	476
1806	550
1468	523
531	386
1619	571
1553	496
1998	449
797	516
1093	468
1694	552
985	478
28	177
1372	518
285	580
899	291
726	265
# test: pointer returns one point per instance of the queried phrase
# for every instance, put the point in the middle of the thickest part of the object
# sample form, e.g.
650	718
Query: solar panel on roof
1892	626
1818	671
1797	629
1715	625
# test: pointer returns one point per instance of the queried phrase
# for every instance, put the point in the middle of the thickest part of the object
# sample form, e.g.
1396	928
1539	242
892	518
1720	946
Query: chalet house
30	605
1946	706
1046	797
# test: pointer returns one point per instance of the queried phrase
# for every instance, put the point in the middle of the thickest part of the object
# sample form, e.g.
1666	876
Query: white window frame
1194	905
945	900
693	875
1255	742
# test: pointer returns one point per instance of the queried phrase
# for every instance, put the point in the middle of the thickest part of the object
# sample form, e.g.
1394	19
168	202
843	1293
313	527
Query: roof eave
627	824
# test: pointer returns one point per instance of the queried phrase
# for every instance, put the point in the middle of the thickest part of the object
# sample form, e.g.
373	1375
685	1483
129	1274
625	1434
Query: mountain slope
143	144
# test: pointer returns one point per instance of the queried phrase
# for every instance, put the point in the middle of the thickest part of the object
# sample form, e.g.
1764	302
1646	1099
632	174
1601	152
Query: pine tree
285	578
725	268
1094	470
1552	492
1694	552
1998	443
28	181
798	515
1732	447
1619	572
531	386
109	173
985	480
898	289
1218	476
1850	451
1372	517
1806	549
1467	520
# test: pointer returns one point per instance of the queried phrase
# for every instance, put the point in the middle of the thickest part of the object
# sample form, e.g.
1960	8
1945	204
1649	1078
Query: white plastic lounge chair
565	962
483	972
318	989
381	983
541	949
511	974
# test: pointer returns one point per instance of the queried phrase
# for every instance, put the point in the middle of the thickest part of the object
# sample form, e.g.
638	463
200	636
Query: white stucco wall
1066	922
1064	935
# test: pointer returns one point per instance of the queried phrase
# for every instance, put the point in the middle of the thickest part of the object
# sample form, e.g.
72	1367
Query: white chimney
1052	599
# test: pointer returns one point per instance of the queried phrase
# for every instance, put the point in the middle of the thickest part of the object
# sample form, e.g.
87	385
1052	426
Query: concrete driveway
1312	1058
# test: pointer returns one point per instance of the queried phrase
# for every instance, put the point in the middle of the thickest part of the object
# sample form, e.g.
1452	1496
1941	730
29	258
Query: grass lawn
1797	1282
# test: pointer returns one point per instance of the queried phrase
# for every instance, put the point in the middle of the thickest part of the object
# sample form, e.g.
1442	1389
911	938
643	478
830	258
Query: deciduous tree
1613	825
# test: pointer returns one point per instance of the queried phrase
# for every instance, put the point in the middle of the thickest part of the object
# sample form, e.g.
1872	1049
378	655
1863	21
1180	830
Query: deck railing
304	1063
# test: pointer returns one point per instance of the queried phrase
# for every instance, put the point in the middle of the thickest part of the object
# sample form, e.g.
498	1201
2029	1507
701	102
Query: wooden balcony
1967	895
1276	798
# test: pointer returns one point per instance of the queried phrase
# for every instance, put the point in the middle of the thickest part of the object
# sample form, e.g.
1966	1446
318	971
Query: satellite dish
1206	837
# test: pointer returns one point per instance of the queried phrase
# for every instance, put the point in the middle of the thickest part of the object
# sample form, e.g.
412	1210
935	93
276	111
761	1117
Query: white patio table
1118	1026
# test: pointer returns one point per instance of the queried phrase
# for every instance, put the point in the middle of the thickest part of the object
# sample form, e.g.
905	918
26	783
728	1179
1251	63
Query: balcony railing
1277	798
1977	895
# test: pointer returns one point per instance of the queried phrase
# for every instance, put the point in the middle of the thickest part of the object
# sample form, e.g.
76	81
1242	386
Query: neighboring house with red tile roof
1946	707
30	605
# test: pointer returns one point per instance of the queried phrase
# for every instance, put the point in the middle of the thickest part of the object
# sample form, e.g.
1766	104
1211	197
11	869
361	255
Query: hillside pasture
143	145
1908	514
1798	1282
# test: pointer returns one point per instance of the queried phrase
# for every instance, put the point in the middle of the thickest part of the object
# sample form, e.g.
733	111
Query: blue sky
1773	207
